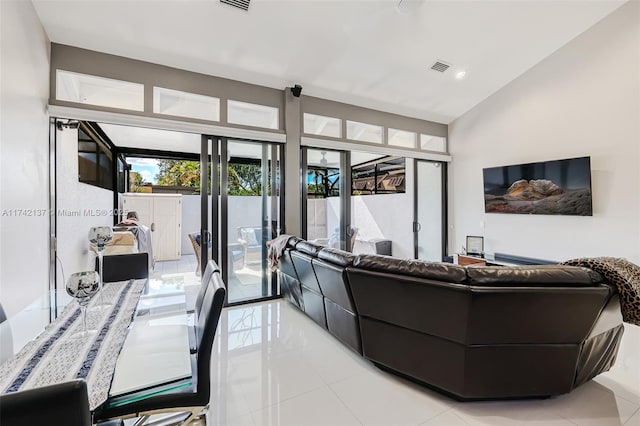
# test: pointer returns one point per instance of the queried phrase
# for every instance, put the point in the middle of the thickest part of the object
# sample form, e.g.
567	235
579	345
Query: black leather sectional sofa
474	332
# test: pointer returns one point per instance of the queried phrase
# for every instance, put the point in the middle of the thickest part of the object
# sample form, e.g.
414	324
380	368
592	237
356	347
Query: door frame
445	210
345	195
344	190
220	210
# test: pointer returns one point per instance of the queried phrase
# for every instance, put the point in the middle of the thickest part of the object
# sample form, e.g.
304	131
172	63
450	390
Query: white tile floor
274	366
185	266
244	284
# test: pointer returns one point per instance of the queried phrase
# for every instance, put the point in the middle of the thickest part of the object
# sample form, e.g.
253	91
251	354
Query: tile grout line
345	405
450	409
447	409
626	399
284	400
633	414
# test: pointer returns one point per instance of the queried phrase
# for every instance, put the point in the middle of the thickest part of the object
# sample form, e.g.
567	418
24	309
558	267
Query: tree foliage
244	179
178	173
135	182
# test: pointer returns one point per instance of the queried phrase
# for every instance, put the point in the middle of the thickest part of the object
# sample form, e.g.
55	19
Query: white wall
79	207
323	217
244	211
190	220
387	216
581	101
24	138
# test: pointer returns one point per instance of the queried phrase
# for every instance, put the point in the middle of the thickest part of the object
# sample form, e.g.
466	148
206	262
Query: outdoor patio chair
236	253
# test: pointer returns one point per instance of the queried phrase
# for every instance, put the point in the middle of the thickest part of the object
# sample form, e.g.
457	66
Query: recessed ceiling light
461	74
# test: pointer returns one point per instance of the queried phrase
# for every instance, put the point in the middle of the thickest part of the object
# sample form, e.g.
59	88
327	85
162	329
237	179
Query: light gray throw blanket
276	248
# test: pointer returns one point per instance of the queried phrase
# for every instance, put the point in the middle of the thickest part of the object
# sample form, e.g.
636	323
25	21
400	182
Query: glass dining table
155	356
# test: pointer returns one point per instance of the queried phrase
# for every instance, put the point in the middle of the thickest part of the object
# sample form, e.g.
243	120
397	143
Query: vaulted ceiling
365	52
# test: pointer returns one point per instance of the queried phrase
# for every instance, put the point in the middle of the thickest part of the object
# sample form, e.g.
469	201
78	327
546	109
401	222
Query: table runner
53	357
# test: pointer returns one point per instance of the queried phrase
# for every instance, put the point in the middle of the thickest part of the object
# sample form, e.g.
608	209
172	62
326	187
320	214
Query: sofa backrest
336	256
301	258
534	314
532	276
332	278
285	265
484	305
550	303
291	242
309	248
416	268
429	306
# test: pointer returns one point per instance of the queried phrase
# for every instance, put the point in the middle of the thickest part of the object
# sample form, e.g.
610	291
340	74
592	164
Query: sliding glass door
382	203
374	203
325	202
429	216
244	214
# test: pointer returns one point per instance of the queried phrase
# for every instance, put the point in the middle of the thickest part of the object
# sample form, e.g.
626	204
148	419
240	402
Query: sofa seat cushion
416	268
533	276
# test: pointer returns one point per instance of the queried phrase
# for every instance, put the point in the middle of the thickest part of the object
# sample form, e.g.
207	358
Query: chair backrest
251	235
206	324
194	237
212	267
122	267
64	404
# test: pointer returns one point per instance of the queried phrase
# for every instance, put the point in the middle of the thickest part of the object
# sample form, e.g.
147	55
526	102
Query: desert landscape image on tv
560	187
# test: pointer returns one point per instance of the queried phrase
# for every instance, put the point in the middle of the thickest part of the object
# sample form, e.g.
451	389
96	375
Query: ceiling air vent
240	4
440	66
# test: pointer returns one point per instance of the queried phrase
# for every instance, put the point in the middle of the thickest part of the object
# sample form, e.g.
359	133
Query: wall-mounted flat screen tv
560	187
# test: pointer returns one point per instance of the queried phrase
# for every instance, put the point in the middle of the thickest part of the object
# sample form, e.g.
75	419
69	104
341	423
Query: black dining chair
63	404
192	395
212	267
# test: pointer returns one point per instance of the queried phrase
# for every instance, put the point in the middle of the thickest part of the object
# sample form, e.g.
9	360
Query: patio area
244	284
